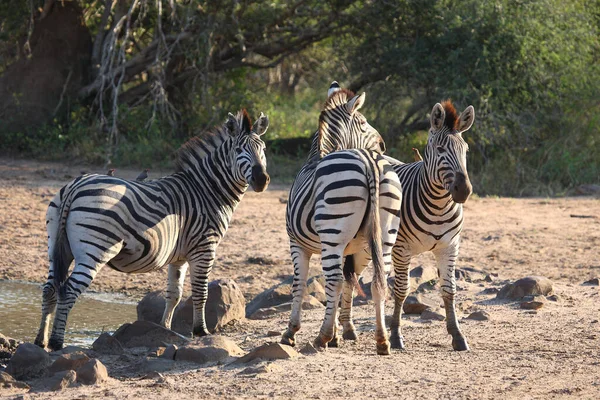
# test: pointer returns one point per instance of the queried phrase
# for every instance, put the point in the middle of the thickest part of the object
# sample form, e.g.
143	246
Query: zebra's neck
325	145
429	189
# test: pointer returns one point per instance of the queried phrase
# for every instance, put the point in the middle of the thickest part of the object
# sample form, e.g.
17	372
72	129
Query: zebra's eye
441	150
238	150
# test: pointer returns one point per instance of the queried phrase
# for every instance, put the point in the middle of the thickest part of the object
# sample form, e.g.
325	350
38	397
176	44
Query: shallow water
93	313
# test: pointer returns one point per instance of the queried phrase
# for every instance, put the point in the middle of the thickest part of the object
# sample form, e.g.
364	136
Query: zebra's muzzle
461	188
260	179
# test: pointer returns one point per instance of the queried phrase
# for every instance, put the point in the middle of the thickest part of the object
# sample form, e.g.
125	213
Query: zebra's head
342	126
446	151
249	161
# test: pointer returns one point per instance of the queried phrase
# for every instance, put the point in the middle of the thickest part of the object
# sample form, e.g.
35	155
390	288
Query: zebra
137	227
431	218
342	202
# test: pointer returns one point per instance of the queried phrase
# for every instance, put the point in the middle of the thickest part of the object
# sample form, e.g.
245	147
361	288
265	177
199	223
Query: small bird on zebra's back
111	172
178	220
417	155
142	176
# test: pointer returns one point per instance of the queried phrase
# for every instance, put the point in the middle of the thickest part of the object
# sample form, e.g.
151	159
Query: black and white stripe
431	217
137	227
342	202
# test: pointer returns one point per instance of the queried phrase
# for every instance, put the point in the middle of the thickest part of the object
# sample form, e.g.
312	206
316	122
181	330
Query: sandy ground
551	353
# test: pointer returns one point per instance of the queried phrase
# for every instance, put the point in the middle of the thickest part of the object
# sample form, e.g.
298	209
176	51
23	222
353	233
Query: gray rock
592	282
225	303
72	349
553	297
7	382
431	315
479	316
151	307
470	274
416	304
309	303
315	287
260	369
147	334
208	349
422	274
270	351
308	349
588	189
274	333
274	296
169	352
68	362
92	372
428	286
530	285
60	380
532	305
151	364
490	290
107	344
29	361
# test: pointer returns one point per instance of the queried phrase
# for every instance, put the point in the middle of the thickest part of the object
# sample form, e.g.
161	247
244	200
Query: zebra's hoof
55	344
350	335
460	344
383	349
335	342
288	341
319	343
397	342
201	332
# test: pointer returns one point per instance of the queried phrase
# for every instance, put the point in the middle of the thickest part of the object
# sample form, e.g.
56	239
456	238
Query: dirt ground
550	353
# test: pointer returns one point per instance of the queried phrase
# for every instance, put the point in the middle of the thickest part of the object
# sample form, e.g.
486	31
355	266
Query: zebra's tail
374	233
60	249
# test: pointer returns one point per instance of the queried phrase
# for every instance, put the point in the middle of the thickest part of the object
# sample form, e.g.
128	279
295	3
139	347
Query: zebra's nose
260	178
461	188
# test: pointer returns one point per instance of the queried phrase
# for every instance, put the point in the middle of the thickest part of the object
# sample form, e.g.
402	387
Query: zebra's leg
80	279
361	261
446	260
401	257
49	297
174	291
301	259
331	258
200	267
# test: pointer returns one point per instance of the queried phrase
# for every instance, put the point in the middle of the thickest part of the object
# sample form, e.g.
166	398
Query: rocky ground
544	346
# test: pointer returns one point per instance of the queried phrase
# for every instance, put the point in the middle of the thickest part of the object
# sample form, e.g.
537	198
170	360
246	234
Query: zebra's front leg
331	259
446	259
301	259
174	291
200	267
49	297
401	257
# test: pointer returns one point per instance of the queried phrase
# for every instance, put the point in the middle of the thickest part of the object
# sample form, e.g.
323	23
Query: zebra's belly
140	260
430	241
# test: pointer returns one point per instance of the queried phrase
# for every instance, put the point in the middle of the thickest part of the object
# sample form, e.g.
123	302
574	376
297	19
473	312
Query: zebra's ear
232	124
261	125
466	119
334	87
355	103
437	117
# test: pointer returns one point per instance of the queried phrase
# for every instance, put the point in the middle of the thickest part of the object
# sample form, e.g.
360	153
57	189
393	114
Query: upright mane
451	120
191	153
323	142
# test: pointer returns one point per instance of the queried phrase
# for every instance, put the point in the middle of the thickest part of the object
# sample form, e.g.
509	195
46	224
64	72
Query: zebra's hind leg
49	297
174	291
301	259
359	262
401	256
446	259
331	259
80	279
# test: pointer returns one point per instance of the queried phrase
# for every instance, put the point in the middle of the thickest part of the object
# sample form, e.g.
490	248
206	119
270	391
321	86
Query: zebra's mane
324	142
192	152
451	120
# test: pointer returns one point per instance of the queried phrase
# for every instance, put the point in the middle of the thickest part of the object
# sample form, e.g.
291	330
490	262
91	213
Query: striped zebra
137	227
342	202
431	218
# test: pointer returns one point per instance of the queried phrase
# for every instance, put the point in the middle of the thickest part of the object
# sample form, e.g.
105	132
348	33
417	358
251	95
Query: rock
416	304
151	364
151	307
29	361
274	333
588	189
69	362
309	303
530	285
261	369
308	349
422	274
479	316
465	305
553	297
315	287
153	375
592	282
428	286
274	296
92	372
107	344
532	305
7	382
208	349
70	350
490	290
60	380
169	352
471	274
270	351
431	315
225	303
147	334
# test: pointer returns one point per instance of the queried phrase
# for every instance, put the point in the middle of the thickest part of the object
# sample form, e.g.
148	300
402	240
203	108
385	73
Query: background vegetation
125	82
